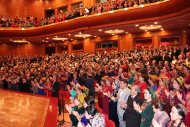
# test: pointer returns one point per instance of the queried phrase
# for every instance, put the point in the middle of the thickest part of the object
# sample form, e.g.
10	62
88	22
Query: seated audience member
113	103
123	95
146	110
177	116
92	118
160	118
131	117
187	107
142	85
77	113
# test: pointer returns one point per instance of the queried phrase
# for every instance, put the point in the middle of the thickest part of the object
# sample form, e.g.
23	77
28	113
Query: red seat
111	123
99	110
106	116
49	93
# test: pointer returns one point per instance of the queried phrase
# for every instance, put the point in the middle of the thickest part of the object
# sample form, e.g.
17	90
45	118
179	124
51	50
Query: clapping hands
137	107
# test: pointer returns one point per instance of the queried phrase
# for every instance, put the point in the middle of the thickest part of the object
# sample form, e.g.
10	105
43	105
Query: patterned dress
98	121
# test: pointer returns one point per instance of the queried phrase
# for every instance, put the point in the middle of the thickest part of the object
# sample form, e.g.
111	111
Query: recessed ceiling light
59	39
100	30
155	23
126	32
150	27
82	35
115	31
20	41
137	25
69	34
71	39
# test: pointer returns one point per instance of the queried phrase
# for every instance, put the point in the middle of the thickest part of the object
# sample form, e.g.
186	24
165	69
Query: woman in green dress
146	110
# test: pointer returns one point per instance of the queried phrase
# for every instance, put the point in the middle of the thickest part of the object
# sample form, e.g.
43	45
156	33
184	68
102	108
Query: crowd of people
148	87
109	5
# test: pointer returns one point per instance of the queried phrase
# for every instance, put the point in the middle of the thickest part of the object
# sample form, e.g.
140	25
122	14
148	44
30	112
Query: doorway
49	13
50	50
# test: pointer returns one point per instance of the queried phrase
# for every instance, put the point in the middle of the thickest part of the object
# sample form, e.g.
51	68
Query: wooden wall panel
24	8
28	49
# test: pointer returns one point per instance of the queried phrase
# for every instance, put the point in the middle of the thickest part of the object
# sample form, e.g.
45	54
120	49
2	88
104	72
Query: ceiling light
150	27
94	36
20	41
155	23
125	8
47	38
71	39
59	39
100	30
22	29
56	36
115	31
69	34
113	34
161	29
126	32
137	25
82	35
66	21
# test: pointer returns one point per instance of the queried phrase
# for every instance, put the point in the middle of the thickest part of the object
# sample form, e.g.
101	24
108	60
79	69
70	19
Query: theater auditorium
94	63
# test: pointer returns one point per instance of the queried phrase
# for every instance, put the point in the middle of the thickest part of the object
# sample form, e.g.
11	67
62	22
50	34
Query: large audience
109	5
136	88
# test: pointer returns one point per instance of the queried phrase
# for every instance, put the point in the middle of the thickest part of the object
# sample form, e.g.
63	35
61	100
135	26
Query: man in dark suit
131	117
55	87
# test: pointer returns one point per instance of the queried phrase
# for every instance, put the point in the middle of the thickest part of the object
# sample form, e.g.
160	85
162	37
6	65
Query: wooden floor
21	110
